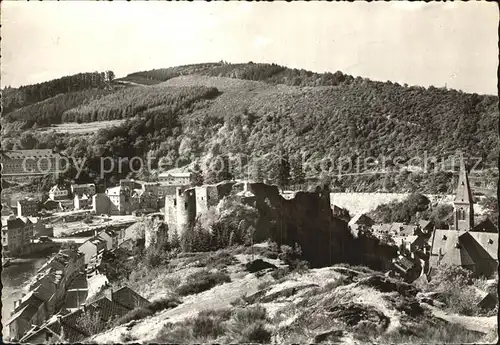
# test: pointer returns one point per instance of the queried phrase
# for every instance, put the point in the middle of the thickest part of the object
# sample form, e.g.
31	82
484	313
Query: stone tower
463	218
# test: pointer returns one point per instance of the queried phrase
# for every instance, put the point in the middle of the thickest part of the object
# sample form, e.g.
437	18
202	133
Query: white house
58	193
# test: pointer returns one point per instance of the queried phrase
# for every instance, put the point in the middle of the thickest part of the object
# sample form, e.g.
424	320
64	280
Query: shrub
433	333
255	333
143	312
280	273
202	281
208	323
247	325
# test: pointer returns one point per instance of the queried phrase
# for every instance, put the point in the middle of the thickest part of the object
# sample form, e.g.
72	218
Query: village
89	227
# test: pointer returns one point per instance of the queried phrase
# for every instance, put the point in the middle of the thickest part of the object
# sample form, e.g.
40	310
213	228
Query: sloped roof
424	223
361	218
464	247
107	308
485	225
25	313
382	227
16	223
128	298
487	241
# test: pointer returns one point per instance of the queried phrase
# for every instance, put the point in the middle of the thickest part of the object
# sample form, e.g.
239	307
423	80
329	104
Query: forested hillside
192	113
14	98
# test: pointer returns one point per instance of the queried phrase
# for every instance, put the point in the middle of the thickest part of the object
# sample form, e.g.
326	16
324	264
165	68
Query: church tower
463	209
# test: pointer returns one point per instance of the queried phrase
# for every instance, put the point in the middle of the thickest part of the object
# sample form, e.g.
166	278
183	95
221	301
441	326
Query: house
175	178
40	228
144	199
128	298
92	247
58	193
27	207
47	290
32	311
65	326
362	219
476	251
85	188
111	238
127	237
51	205
29	163
17	236
407	267
77	292
82	201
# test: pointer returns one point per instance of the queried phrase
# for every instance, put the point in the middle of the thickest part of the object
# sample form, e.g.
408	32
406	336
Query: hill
225	297
192	113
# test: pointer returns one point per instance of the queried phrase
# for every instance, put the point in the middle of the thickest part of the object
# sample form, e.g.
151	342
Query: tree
90	321
174	240
110	76
297	172
280	170
196	175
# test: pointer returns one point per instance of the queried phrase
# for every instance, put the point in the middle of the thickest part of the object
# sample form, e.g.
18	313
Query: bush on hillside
143	312
202	281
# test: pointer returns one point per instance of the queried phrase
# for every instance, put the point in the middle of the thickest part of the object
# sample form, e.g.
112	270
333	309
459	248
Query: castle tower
463	218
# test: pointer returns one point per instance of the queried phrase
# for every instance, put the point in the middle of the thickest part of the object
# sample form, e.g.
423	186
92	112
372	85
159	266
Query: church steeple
464	211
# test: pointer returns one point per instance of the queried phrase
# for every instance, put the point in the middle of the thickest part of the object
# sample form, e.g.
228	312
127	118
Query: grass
202	281
143	312
430	332
242	325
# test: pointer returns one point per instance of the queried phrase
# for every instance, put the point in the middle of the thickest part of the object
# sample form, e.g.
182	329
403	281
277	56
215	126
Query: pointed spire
463	194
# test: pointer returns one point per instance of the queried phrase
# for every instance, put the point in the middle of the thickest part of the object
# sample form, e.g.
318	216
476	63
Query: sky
441	44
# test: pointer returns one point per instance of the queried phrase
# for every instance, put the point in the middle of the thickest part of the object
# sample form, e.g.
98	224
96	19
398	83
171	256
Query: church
471	246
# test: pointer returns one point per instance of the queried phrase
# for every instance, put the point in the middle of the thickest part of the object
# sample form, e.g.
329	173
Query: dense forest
319	125
14	98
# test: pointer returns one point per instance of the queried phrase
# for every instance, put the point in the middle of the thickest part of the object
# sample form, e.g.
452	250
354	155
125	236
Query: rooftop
22	154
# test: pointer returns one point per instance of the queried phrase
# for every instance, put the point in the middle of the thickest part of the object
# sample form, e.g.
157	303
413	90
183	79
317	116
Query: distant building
19	164
92	247
17	236
27	207
119	198
176	179
82	201
86	188
40	228
58	193
110	237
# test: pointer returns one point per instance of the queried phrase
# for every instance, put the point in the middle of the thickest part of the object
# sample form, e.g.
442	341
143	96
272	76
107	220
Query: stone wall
364	202
182	207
